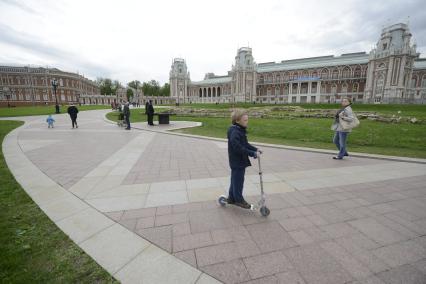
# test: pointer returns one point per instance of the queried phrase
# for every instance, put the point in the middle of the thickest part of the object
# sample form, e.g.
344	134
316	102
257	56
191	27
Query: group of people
72	112
239	149
149	111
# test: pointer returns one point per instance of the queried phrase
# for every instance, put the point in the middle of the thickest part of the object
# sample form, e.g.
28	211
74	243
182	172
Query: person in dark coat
150	113
239	151
126	113
72	111
146	107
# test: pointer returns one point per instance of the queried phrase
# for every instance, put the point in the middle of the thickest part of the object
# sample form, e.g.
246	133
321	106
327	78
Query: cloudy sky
129	40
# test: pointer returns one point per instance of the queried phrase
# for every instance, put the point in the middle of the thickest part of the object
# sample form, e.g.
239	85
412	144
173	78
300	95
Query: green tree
135	84
165	90
129	94
107	86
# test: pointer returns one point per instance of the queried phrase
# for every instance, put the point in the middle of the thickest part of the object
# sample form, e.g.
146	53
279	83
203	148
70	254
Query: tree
135	84
107	86
129	94
165	90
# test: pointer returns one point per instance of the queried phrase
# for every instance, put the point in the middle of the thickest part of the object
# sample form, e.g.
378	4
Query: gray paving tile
401	253
405	274
289	277
267	264
293	224
362	252
317	266
161	236
263	280
270	236
228	272
216	253
188	256
377	232
338	230
192	241
171	219
357	269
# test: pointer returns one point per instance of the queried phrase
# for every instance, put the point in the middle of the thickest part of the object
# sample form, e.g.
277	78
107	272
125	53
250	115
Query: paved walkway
138	201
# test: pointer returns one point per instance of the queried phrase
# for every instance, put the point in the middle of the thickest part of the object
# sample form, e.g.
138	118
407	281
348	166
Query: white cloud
137	39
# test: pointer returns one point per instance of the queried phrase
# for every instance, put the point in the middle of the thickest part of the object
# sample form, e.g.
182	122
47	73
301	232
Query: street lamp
55	86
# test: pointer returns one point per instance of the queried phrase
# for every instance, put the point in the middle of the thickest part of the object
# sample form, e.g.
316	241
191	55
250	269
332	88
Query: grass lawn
43	110
403	139
33	249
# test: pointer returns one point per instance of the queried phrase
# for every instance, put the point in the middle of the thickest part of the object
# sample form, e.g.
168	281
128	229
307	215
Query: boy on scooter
239	151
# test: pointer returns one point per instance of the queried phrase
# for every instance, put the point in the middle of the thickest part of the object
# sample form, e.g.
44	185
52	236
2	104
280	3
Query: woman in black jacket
239	151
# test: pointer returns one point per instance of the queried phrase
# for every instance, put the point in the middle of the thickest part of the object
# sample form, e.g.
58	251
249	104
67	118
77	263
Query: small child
239	151
50	121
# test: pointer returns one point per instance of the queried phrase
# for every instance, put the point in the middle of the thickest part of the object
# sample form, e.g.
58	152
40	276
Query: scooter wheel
264	211
222	200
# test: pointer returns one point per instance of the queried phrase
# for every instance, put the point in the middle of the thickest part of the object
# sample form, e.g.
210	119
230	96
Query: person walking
239	151
344	121
50	121
150	113
72	111
126	112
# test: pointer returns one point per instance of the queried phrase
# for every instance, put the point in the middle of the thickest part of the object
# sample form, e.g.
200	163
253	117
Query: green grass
43	110
403	139
33	249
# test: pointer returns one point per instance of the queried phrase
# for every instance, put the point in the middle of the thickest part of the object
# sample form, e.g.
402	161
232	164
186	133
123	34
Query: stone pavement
360	220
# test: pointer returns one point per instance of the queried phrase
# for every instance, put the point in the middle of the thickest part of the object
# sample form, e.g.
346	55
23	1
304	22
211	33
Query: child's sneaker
243	204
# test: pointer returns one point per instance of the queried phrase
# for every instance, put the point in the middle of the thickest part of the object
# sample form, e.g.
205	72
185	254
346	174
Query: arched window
268	92
218	91
335	74
380	83
201	92
346	72
324	73
286	76
286	89
414	82
209	92
334	89
323	89
344	88
357	72
277	91
424	81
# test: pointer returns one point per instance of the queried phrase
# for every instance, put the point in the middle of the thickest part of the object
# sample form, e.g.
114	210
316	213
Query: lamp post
55	86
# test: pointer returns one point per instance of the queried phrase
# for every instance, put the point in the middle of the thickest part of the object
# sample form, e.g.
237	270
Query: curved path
142	203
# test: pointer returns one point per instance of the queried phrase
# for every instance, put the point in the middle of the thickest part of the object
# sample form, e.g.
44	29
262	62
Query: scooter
264	211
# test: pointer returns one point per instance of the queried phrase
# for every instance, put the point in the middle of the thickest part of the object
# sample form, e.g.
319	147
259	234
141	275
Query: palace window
277	91
346	72
355	88
334	89
414	82
424	81
335	74
324	74
344	88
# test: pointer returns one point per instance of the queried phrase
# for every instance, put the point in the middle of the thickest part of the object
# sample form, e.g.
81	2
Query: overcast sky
129	40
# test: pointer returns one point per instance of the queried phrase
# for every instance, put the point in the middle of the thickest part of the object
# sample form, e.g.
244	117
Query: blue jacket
239	149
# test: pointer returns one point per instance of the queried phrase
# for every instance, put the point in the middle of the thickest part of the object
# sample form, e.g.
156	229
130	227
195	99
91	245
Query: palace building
33	86
392	72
